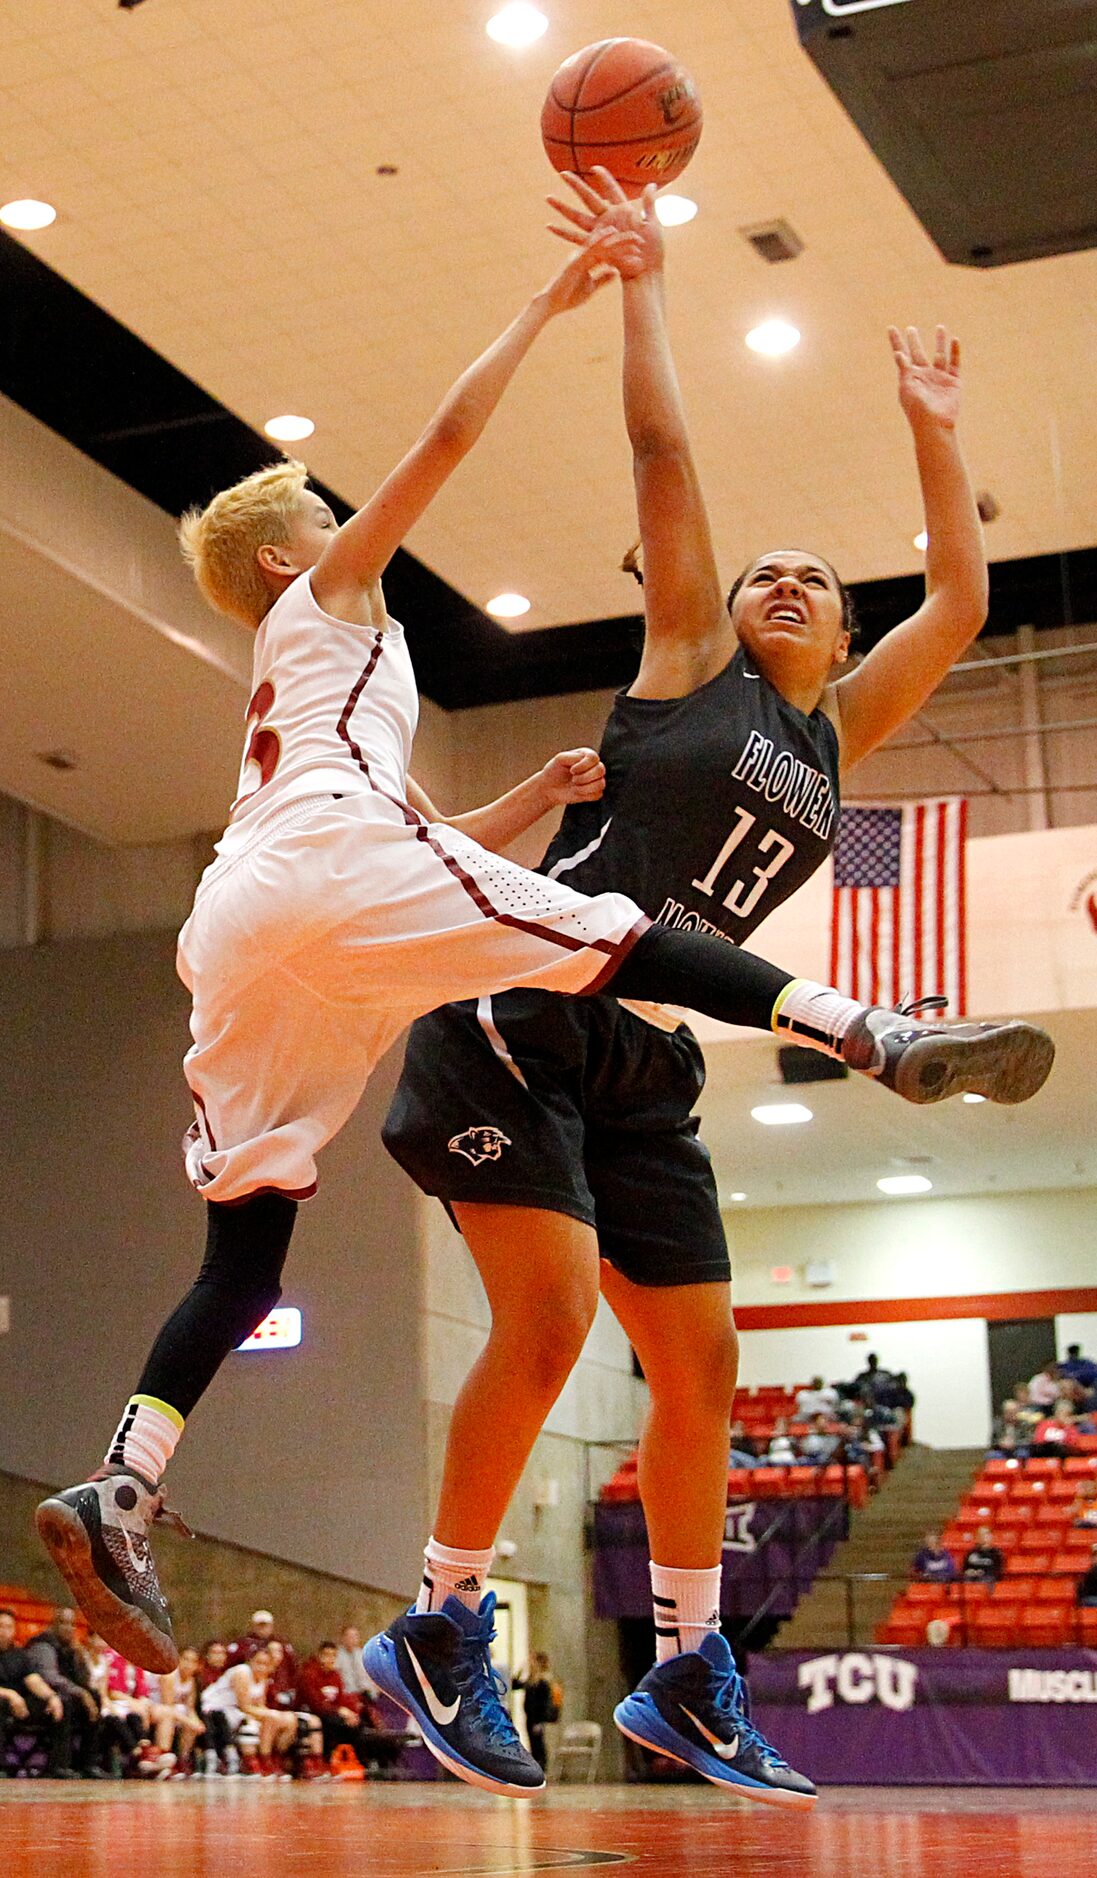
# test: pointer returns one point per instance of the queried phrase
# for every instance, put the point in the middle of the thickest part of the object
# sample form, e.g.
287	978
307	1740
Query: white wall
1077	1327
918	1248
946	1364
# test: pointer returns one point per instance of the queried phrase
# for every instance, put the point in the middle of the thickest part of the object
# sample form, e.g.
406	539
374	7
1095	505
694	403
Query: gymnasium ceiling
215	168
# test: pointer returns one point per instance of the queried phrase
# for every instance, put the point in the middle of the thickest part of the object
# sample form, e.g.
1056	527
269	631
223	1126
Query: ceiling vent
774	241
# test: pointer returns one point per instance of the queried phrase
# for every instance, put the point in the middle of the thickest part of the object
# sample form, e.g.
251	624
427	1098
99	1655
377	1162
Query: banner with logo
770	1547
994	1718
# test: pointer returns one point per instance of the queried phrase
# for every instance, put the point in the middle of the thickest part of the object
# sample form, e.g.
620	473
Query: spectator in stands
122	1734
984	1561
817	1399
1087	1584
1075	1367
259	1633
1084	1510
240	1695
741	1453
544	1698
214	1662
1043	1390
1009	1436
57	1658
1027	1412
348	1661
320	1687
781	1451
26	1697
871	1378
819	1445
897	1397
933	1564
1058	1433
282	1687
178	1724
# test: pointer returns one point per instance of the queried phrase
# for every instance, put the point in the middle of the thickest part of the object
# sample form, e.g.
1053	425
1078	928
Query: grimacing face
790	603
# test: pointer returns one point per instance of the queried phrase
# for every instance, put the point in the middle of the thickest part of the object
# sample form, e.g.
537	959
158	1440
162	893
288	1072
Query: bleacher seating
32	1614
1027	1506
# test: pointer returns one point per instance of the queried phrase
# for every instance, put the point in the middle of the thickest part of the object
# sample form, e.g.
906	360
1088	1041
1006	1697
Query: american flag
899	923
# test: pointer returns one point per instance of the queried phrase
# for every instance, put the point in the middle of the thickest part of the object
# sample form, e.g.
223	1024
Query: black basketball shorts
573	1105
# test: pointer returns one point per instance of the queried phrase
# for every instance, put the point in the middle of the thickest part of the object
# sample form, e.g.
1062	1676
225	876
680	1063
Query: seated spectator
741	1453
26	1697
213	1662
1009	1436
984	1562
344	1717
122	1736
178	1724
1075	1367
132	1695
817	1399
1027	1412
240	1695
819	1445
1087	1584
282	1687
933	1565
781	1452
259	1633
1043	1390
1084	1510
1058	1433
348	1661
897	1397
56	1657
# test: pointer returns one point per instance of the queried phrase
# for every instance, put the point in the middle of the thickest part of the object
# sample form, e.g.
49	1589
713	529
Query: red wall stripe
996	1306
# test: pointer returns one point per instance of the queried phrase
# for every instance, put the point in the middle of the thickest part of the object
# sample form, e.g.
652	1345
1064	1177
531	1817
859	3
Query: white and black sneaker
437	1666
97	1536
928	1062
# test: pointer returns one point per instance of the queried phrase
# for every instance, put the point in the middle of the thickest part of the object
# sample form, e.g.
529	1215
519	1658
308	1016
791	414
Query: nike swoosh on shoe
442	1712
727	1750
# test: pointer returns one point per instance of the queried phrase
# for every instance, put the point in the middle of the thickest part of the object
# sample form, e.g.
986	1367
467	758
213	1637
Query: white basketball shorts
311	949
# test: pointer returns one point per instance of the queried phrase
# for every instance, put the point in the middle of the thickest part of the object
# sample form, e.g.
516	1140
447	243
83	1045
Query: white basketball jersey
333	707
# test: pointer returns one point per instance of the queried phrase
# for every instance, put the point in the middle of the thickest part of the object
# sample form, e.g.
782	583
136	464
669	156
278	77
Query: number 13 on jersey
741	898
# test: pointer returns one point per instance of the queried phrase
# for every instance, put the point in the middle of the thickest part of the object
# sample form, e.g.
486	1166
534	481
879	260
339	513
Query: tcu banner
993	1718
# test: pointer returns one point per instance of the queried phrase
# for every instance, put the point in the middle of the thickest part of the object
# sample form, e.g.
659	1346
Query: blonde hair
221	541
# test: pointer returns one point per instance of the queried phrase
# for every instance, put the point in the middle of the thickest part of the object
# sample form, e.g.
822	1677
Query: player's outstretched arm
687	631
571	776
364	546
899	674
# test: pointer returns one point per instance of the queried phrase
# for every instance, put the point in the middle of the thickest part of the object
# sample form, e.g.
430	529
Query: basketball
626	104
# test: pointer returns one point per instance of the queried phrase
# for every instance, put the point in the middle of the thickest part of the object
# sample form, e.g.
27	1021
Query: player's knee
553	1341
700	1379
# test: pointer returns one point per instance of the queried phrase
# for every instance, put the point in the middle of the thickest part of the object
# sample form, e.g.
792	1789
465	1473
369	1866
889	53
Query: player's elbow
654	442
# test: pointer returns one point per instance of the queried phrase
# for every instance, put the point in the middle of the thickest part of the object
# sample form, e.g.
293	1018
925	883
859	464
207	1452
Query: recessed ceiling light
673	211
921	542
971	1097
781	1114
27	214
289	429
905	1183
519	24
737	1196
508	605
773	338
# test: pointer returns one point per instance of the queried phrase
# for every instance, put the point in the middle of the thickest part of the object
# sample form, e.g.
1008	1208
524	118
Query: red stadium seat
739	1479
1015	1589
1071	1560
767	1482
1054	1590
1077	1465
1086	1622
1035	1563
1046	1629
1062	1489
1052	1513
999	1470
906	1633
1022	1490
918	1593
1035	1540
994	1628
1045	1467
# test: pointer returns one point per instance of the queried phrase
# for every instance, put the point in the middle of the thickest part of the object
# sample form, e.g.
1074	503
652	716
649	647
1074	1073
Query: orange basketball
626	104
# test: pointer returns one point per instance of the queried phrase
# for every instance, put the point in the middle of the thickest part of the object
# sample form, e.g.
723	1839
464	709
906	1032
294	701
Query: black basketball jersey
717	805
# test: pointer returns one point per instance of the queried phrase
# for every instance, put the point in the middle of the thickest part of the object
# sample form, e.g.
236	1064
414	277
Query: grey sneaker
97	1536
928	1062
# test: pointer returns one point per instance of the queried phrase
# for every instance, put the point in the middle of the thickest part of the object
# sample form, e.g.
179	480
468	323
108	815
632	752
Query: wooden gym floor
259	1830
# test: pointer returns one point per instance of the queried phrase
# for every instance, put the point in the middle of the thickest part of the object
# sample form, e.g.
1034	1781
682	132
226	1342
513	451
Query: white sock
448	1573
146	1437
687	1608
814	1015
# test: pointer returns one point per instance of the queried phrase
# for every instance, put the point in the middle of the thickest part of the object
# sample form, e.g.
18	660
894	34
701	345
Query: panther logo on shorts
480	1144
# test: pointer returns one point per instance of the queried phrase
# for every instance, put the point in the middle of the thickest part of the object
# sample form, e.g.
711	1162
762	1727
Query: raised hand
574	776
929	390
602	254
607	206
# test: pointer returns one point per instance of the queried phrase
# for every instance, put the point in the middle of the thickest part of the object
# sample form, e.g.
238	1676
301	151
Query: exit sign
280	1331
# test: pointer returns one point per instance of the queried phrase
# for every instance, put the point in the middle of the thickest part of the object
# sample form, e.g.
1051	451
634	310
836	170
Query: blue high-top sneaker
437	1666
696	1709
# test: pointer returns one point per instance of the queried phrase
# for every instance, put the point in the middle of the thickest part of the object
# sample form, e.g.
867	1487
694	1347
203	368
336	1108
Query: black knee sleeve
239	1284
703	972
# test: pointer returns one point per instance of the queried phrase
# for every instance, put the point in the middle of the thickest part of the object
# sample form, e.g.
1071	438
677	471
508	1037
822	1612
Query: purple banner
994	1718
771	1547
